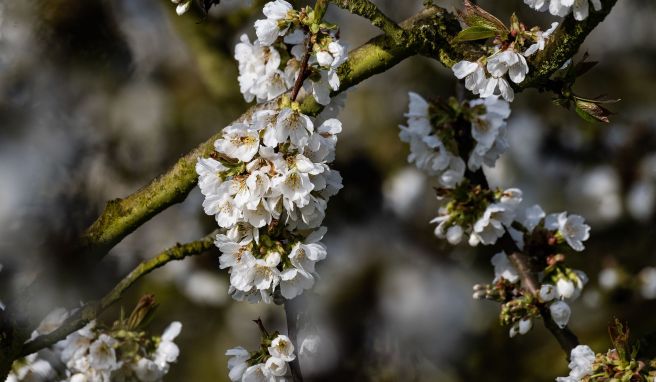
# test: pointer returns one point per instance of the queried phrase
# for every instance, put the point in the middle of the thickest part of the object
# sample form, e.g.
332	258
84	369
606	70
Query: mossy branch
430	33
91	310
122	216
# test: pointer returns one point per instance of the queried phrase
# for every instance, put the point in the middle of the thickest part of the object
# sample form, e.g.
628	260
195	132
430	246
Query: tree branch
123	216
565	337
428	33
92	310
522	263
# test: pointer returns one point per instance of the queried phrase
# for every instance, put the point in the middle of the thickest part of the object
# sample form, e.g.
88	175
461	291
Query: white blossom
239	141
541	40
147	370
489	132
259	74
521	327
581	363
503	268
547	292
167	351
530	217
474	75
427	151
580	8
491	226
32	369
255	373
275	366
182	6
269	29
237	363
294	281
572	228
282	347
102	355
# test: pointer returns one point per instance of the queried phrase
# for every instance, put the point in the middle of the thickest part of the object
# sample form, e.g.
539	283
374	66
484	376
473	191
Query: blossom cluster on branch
268	363
99	353
269	181
469	210
623	362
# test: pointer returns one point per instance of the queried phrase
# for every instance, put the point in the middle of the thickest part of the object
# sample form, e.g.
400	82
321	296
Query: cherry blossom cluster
433	143
269	181
268	363
268	189
98	353
618	364
486	76
534	233
482	215
582	360
290	42
580	8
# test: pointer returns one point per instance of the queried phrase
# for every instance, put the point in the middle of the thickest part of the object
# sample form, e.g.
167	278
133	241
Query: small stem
565	337
292	315
303	71
93	309
260	325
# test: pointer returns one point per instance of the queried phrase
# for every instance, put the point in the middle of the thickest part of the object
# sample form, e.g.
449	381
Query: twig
292	314
303	71
93	309
565	337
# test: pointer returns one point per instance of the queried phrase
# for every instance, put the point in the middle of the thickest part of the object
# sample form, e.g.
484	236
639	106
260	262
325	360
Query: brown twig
303	71
93	309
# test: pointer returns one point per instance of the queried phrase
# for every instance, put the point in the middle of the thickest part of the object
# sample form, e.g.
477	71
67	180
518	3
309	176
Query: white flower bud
560	313
473	240
565	288
454	234
525	325
547	292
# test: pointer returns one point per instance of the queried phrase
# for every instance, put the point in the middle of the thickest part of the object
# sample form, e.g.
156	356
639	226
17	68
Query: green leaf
475	16
475	33
592	112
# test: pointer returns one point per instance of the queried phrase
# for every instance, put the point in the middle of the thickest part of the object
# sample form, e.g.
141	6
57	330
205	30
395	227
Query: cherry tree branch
91	310
428	33
565	337
522	263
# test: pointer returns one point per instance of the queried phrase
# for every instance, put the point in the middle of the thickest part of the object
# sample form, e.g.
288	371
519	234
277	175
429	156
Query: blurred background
98	97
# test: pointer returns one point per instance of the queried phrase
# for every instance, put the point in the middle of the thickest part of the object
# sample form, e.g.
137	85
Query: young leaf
591	111
474	33
475	16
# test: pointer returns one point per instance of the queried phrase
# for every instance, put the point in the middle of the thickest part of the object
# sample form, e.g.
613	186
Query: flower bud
560	313
547	292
